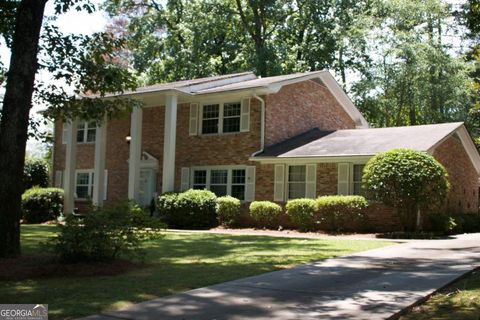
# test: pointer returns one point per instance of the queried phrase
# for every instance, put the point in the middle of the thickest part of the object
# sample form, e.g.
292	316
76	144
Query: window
221	118
221	181
86	132
357	179
84	184
296	182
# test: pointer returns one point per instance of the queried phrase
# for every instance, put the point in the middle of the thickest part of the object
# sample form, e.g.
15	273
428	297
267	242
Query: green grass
176	263
461	300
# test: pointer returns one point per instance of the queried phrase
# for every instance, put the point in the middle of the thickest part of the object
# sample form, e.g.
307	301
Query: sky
70	22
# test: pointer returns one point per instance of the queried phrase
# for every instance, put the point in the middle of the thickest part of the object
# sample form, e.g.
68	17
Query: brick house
273	138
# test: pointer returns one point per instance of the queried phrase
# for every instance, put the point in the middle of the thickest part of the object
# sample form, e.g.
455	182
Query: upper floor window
86	132
221	117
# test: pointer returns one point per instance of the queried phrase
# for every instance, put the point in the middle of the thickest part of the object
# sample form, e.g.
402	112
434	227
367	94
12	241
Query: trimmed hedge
303	213
228	211
342	213
264	212
192	209
42	204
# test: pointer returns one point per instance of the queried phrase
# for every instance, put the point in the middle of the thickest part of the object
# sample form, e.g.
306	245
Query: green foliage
407	180
264	212
467	222
442	223
192	209
342	213
35	173
106	234
303	213
42	204
228	211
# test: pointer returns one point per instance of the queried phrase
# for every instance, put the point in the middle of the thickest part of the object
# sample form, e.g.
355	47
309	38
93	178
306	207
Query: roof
248	81
368	142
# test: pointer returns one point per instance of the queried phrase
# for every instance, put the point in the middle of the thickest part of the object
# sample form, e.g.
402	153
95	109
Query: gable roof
249	82
368	142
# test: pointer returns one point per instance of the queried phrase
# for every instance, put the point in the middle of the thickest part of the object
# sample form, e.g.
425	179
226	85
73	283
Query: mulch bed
31	267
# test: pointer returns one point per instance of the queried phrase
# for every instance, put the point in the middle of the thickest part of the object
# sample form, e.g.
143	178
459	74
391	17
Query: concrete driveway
375	284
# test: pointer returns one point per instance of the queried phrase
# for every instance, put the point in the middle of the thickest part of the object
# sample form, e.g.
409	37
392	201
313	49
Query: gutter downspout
262	125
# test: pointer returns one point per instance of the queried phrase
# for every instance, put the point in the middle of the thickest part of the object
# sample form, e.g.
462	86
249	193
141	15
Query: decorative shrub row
192	209
42	204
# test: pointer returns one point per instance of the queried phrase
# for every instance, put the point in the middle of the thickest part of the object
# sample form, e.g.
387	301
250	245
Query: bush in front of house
303	213
35	173
42	204
264	213
466	222
228	211
106	234
192	209
441	223
342	213
410	181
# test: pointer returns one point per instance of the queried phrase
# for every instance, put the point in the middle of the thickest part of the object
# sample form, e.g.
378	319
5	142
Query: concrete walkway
375	284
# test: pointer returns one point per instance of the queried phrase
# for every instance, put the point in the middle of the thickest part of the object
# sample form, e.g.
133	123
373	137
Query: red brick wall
463	195
296	108
327	174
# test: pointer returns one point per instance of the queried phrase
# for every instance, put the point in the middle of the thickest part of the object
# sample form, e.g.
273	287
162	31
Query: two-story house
274	138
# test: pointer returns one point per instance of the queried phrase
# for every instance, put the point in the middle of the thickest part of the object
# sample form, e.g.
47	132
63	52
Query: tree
85	63
410	181
35	173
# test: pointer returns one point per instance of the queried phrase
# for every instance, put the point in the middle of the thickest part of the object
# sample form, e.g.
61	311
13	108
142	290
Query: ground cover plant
460	300
175	263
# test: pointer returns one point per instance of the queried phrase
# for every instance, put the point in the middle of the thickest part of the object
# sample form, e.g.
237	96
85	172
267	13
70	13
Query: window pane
80	133
211	111
232	109
238	191
210	126
231	124
219	190
238	176
218	177
357	172
199	179
82	178
296	190
91	135
296	173
82	192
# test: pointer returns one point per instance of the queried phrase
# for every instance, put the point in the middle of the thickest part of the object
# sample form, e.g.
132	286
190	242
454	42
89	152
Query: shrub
42	204
35	173
467	222
442	223
303	213
342	213
408	180
228	211
192	209
264	212
105	234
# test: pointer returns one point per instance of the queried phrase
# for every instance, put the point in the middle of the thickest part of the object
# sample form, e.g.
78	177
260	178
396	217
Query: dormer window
221	117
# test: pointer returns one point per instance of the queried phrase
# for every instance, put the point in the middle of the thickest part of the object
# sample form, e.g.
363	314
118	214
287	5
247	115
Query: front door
147	186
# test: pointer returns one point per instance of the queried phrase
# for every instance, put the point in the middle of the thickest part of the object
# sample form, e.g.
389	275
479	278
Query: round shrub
35	173
192	209
302	212
228	211
408	180
264	212
42	204
342	213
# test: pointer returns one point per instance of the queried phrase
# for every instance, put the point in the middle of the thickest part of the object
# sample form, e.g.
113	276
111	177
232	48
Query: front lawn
176	263
461	300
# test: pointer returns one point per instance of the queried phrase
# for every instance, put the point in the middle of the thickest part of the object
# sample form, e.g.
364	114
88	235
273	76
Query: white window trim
287	180
221	105
352	181
84	126
90	182
221	167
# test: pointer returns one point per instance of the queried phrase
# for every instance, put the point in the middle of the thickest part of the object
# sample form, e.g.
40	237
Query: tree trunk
14	122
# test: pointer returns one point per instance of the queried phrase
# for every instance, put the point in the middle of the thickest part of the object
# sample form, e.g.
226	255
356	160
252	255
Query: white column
168	174
99	165
70	165
135	154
